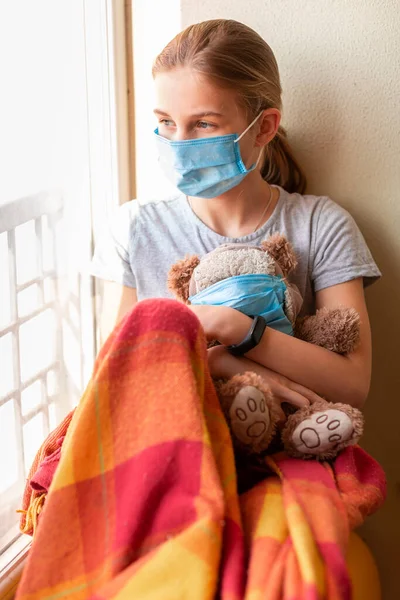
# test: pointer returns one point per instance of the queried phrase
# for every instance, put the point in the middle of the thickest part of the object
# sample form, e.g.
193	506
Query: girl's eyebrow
205	113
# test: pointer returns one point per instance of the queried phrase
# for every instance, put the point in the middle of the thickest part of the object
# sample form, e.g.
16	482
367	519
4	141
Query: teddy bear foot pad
250	417
322	433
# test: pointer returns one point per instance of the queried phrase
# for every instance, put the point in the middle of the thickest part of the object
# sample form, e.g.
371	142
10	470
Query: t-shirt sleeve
112	257
340	251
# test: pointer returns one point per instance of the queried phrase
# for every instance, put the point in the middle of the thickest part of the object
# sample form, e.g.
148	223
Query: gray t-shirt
146	238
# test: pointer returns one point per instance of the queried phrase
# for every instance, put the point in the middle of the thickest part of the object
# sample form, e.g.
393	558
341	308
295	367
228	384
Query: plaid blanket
144	501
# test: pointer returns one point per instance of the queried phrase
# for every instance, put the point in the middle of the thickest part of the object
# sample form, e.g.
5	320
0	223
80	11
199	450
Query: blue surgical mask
204	167
252	294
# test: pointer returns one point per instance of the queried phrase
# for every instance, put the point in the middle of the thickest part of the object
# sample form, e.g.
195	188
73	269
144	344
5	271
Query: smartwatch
252	338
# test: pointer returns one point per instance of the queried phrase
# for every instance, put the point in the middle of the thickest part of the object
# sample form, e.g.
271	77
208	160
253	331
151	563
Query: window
64	152
36	386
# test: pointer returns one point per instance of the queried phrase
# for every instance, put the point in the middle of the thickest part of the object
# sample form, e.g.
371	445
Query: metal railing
43	211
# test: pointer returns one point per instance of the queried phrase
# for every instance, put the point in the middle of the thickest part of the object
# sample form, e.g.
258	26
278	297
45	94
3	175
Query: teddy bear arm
335	329
179	277
282	251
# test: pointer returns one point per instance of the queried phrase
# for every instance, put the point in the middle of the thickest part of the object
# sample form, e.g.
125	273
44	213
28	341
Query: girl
220	141
147	456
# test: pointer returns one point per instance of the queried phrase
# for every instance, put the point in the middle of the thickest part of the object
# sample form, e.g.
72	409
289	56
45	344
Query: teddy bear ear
179	277
282	251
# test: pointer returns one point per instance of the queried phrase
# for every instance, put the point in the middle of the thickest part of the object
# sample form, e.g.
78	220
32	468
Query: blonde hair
235	56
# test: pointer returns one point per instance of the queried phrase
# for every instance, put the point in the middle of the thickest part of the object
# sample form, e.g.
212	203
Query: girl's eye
167	122
204	125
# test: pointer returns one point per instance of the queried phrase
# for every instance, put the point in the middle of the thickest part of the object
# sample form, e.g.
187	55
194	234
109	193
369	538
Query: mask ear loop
249	127
245	131
259	158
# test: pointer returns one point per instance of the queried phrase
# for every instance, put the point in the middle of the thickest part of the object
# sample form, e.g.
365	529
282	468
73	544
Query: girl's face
188	106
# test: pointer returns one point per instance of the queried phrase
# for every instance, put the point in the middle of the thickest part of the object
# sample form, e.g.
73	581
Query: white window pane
53	422
37	344
33	437
28	300
26	252
31	397
7	383
49	289
8	448
52	384
5	309
74	284
72	355
73	315
47	245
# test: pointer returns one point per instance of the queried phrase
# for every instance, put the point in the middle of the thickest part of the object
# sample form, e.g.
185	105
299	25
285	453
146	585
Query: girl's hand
223	364
285	390
222	323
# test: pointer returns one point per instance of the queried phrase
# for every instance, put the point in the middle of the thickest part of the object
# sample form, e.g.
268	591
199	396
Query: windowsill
11	564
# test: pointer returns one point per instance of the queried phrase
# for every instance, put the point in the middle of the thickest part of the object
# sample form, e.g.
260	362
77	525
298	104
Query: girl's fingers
290	396
309	394
281	415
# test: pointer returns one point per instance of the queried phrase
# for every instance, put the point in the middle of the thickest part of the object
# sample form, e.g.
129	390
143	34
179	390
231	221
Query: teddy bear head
191	275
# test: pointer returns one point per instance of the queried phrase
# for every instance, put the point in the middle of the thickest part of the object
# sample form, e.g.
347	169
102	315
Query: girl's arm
337	378
117	301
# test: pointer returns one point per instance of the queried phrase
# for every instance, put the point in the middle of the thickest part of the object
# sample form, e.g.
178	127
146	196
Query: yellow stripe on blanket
174	572
309	559
272	522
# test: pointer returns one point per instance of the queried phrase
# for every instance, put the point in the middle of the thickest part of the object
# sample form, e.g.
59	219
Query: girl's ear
269	125
281	250
179	277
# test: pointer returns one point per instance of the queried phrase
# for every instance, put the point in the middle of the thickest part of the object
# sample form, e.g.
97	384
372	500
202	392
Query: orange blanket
144	501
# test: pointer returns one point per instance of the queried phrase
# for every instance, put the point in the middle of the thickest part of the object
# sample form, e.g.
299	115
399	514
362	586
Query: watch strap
252	339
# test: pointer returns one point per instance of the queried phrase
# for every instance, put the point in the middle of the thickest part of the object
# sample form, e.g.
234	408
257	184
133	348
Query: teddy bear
318	431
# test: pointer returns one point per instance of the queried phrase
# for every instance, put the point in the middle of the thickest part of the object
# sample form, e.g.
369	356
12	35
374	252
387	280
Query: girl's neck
241	210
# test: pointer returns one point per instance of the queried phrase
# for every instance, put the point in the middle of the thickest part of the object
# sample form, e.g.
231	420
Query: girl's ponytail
280	166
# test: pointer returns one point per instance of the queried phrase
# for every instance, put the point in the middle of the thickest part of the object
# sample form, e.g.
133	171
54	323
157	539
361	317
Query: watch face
259	329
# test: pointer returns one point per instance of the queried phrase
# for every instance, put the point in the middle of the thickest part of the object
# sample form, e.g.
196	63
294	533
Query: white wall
340	70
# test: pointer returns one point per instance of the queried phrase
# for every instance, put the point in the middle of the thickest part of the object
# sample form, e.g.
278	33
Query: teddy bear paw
322	433
250	418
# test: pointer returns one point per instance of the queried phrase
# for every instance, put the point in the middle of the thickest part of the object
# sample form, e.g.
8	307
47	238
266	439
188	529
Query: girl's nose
182	134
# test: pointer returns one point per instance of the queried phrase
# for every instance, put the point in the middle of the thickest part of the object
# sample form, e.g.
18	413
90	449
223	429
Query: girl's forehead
185	92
